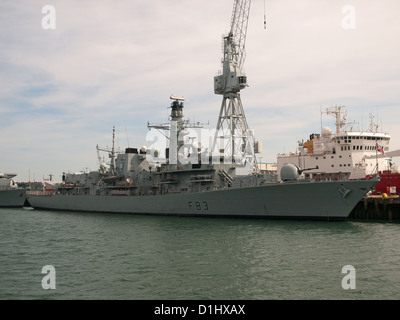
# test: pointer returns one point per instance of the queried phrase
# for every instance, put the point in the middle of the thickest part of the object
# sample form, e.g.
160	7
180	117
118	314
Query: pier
383	208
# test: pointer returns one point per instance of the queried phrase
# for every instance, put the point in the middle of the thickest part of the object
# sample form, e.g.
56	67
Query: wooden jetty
377	207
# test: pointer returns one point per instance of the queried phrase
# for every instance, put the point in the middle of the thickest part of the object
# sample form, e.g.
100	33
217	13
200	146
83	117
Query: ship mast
373	127
232	130
340	116
175	126
111	153
112	166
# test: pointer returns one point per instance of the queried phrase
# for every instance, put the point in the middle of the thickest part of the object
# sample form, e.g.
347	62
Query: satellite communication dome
326	132
103	167
289	172
143	149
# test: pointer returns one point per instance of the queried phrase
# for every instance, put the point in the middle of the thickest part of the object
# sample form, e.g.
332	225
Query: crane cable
265	17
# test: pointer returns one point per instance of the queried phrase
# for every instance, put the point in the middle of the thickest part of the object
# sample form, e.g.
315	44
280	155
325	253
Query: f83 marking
198	205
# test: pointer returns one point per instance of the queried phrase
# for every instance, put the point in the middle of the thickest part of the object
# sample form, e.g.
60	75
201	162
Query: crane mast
232	135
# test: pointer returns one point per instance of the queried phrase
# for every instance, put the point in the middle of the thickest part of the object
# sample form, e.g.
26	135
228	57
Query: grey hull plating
12	198
298	200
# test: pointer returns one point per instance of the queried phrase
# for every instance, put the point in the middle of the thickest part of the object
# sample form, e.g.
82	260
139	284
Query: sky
116	63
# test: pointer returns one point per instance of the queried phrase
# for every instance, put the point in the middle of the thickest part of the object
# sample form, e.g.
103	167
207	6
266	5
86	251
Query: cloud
116	63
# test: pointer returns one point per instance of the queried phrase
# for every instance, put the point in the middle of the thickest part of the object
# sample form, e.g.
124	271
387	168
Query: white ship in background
345	155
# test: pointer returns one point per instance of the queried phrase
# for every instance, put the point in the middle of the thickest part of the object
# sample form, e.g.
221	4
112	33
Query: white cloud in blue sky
116	63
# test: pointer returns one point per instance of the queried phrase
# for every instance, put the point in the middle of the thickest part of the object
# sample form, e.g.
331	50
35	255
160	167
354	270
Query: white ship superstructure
347	154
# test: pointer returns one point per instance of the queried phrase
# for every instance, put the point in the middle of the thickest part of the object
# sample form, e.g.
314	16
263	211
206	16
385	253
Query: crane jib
239	23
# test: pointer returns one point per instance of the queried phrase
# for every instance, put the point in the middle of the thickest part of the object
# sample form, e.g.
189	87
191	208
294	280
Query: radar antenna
341	117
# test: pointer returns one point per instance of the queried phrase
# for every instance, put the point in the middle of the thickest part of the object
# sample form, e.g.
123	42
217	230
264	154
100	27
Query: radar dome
289	172
143	149
326	132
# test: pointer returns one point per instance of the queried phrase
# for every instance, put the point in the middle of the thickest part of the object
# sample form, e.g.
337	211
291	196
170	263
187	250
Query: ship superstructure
186	167
345	154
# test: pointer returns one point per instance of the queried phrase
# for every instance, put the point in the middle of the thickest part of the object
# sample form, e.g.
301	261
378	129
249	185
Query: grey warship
211	173
132	183
11	196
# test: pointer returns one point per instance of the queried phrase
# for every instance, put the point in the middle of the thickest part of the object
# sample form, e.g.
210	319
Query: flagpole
376	156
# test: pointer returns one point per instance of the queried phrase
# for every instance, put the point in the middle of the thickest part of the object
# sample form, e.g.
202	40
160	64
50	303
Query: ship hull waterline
300	200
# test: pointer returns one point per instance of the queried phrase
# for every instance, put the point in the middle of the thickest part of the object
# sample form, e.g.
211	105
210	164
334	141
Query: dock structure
377	207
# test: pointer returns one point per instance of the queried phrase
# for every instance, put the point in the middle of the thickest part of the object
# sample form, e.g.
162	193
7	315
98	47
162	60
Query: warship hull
299	200
12	198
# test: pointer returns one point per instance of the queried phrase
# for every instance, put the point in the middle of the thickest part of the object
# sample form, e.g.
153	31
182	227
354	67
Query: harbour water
116	256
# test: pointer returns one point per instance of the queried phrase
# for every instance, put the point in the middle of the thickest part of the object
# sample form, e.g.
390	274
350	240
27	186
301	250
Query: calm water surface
115	256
